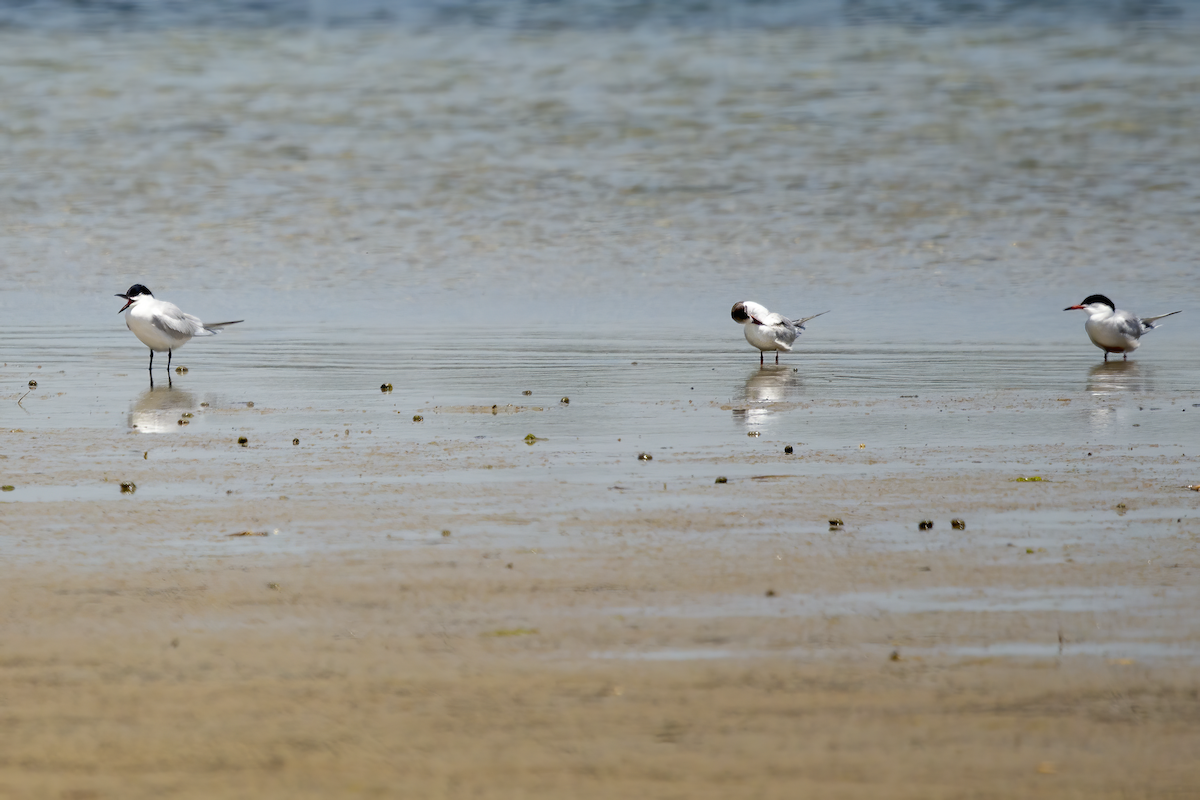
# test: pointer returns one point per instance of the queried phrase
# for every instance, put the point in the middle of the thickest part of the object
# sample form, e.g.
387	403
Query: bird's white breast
762	336
140	319
1105	333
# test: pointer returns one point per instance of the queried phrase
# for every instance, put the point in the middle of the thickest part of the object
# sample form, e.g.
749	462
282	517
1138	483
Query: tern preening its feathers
768	331
161	325
1111	330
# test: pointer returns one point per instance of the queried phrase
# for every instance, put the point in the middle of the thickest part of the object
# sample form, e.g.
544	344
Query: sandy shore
448	675
591	638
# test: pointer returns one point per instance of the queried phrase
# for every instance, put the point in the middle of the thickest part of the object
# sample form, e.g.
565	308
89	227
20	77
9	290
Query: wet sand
445	674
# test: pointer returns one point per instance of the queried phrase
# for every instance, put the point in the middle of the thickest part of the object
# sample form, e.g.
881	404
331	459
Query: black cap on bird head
132	294
739	313
1092	298
1098	298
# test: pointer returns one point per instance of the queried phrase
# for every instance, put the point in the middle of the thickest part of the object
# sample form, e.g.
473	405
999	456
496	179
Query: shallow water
909	414
924	601
616	384
1119	652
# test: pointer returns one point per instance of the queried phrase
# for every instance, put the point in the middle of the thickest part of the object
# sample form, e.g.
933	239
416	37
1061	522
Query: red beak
1072	308
128	301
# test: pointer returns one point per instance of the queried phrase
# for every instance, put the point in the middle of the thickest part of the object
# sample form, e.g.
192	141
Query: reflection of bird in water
1111	330
158	410
766	386
768	331
770	384
1119	376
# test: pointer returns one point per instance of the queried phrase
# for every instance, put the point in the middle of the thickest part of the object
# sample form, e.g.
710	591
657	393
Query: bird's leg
1105	356
169	364
1125	357
760	358
151	362
776	356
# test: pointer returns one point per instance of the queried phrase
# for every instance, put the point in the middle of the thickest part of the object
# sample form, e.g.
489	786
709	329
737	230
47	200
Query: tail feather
1149	321
799	323
218	325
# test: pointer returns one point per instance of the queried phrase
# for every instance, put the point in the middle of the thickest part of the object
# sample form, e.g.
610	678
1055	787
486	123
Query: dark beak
1072	308
755	320
128	301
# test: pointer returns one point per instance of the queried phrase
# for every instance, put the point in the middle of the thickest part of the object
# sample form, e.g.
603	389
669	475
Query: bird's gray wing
1131	327
176	324
785	334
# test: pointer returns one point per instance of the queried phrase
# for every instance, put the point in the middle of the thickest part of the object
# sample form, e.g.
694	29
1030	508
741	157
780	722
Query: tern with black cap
766	330
161	325
1111	330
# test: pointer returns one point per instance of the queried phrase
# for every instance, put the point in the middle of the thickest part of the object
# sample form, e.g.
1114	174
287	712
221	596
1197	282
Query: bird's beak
128	301
755	320
1073	308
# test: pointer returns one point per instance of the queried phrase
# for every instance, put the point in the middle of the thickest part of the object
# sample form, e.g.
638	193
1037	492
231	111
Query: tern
1111	330
768	331
162	325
